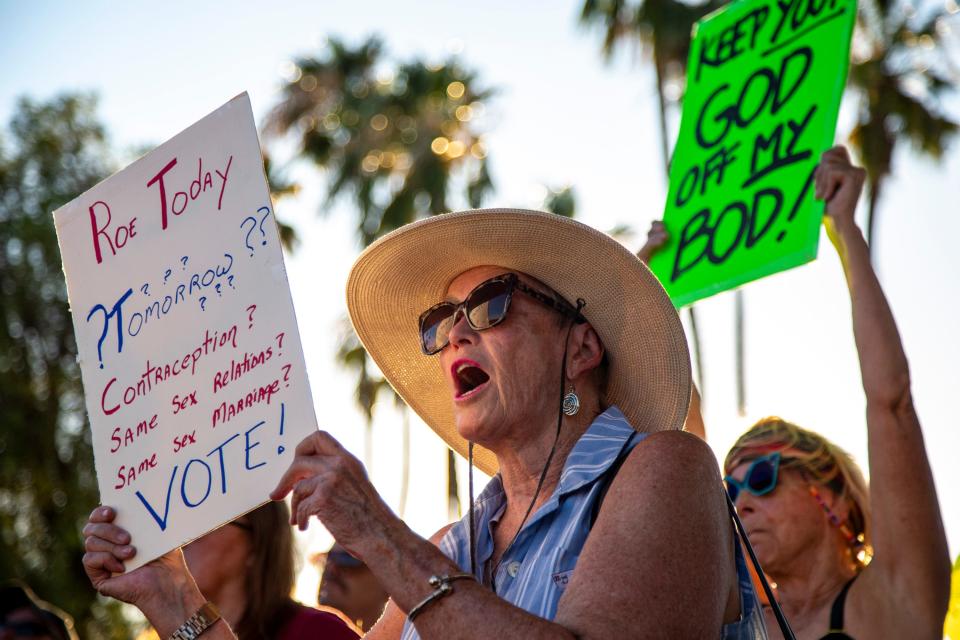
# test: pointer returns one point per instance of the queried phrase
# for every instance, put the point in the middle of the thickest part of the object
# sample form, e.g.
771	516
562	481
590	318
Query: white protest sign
192	365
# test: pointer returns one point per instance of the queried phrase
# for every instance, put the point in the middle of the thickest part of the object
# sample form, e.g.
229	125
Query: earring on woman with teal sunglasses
760	478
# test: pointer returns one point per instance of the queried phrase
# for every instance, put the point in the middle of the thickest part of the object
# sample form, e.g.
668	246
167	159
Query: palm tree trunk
662	104
405	460
665	151
453	494
741	383
697	354
875	188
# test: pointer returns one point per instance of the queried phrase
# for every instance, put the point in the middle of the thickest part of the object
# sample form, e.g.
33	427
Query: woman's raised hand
839	183
657	236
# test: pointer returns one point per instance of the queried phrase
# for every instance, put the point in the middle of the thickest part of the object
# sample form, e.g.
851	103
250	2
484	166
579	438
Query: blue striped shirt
535	570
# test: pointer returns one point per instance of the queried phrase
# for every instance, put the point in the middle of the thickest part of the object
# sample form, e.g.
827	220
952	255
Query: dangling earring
571	402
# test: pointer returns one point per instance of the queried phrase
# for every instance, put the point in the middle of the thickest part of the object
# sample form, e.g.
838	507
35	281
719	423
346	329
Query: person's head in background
800	490
246	567
349	585
23	615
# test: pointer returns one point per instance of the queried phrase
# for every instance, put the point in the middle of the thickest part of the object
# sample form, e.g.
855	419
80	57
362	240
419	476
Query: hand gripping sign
764	83
192	367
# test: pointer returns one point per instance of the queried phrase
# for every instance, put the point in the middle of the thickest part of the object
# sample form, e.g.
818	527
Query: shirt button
513	569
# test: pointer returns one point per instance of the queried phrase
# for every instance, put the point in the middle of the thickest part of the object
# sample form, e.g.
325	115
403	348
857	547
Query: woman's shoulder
308	622
670	449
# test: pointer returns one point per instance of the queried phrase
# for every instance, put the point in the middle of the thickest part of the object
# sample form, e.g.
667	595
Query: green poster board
764	83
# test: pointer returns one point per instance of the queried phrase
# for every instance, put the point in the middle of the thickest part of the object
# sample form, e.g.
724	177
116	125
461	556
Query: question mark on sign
230	282
253	225
266	212
146	289
250	311
280	341
183	261
281	449
203	302
166	274
286	374
218	289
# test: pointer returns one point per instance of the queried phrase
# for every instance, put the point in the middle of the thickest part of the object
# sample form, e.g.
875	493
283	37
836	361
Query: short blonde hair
823	463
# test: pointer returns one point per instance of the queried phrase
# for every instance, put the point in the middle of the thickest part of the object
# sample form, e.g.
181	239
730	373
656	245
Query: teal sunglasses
760	478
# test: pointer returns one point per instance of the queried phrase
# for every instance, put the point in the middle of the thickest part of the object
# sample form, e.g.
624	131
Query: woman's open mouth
468	378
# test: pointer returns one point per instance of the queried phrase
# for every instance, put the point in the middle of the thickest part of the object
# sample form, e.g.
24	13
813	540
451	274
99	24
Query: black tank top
836	631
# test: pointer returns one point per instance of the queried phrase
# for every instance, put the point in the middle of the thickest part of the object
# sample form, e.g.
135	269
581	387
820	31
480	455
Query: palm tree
49	152
900	72
393	141
663	28
397	138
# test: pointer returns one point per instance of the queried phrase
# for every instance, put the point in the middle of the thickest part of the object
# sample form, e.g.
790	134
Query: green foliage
900	73
281	187
562	201
663	28
396	137
51	153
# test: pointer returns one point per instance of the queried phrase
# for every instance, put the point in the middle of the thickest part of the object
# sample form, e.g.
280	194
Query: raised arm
911	568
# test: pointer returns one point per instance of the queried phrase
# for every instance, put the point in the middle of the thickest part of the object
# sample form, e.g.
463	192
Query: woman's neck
522	466
813	579
231	599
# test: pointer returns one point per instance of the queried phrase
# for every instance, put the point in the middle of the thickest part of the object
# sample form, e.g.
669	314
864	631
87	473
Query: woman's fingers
109	532
100	565
123	551
102	514
303	490
308	453
315	454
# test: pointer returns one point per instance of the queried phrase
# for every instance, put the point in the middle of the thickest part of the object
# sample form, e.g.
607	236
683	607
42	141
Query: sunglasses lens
435	327
761	477
733	491
343	559
488	304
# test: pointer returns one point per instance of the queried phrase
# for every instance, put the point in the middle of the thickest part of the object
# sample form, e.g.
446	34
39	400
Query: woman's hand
839	183
657	236
108	547
331	484
163	588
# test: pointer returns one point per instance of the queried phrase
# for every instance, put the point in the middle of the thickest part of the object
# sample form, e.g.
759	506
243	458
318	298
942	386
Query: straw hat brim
403	273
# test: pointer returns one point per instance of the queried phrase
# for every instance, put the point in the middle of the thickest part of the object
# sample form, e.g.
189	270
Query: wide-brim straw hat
407	271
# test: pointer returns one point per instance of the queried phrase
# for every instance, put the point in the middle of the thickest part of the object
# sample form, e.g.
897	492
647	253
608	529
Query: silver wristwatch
196	624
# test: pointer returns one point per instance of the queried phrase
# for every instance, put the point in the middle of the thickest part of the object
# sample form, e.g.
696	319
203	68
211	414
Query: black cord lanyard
777	611
581	303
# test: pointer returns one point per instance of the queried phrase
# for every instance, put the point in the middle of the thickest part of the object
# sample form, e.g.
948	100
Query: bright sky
561	116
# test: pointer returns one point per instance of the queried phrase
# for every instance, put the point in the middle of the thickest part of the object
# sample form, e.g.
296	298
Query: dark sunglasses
342	558
242	525
484	307
760	478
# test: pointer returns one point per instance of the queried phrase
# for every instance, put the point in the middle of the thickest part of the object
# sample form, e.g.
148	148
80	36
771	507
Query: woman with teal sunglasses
848	561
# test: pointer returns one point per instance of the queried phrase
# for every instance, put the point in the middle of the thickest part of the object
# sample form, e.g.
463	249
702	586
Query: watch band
196	624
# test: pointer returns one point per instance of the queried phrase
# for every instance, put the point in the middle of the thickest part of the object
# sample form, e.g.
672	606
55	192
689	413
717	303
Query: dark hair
16	595
271	574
